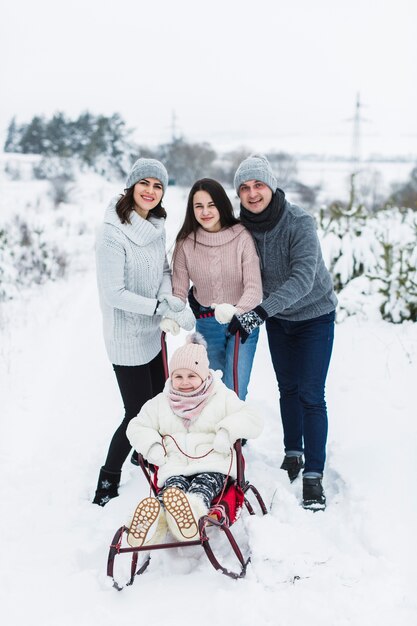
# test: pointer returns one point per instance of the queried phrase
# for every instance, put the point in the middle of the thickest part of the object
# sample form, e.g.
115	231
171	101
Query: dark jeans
221	346
137	384
300	353
220	350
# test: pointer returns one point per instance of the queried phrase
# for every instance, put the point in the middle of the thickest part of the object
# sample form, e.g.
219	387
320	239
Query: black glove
245	323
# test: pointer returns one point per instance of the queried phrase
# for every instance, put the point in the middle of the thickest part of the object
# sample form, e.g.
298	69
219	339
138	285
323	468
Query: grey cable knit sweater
296	283
132	271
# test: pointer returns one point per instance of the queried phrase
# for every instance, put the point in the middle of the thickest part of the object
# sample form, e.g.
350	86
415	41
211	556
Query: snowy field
333	176
355	564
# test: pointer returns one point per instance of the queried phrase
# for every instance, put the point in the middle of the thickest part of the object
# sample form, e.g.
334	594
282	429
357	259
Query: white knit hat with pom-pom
192	356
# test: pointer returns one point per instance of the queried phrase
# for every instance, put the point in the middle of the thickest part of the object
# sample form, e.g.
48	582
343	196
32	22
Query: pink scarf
189	405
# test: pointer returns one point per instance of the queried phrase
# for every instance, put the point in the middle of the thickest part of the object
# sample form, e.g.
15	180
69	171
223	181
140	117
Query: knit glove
245	323
174	303
184	318
221	441
156	455
223	312
169	326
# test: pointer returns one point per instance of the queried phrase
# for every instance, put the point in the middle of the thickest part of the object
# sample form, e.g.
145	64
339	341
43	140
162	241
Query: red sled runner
224	511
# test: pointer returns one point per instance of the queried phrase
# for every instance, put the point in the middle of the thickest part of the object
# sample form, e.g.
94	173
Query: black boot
313	494
107	485
293	465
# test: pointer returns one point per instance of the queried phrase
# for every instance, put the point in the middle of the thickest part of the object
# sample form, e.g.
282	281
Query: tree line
105	145
97	141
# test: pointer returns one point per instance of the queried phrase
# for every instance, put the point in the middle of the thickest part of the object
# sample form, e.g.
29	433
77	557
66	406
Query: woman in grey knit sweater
134	284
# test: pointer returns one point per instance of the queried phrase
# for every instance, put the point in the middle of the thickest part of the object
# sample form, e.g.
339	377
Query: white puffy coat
223	410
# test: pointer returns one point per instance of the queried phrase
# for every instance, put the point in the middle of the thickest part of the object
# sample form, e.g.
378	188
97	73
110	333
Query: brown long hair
220	199
125	204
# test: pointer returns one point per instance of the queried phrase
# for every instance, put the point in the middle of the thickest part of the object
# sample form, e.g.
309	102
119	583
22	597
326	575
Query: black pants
207	485
137	384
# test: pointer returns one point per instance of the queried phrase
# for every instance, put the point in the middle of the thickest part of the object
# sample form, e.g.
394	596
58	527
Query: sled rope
202	457
182	451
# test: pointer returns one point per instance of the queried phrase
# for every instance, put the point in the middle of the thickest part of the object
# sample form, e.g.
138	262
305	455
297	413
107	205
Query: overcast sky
266	74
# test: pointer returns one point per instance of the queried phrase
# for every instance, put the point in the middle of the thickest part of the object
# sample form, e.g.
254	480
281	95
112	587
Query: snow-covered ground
354	564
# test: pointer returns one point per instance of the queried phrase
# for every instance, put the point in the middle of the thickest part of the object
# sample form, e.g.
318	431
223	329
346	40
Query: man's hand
246	323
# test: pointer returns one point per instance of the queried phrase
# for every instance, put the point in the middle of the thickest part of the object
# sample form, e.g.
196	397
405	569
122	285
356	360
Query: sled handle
164	354
235	364
240	471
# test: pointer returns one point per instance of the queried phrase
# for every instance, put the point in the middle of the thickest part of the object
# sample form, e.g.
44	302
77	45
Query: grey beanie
144	168
255	167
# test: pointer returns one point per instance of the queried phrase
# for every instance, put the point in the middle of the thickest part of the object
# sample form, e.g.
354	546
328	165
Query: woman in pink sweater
217	254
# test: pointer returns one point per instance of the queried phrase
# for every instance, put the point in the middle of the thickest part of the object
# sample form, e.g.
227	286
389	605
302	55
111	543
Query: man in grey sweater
299	310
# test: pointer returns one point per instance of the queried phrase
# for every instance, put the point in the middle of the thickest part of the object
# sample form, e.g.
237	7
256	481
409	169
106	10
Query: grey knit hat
255	167
144	168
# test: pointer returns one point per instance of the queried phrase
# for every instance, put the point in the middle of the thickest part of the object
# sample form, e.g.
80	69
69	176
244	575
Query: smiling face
206	212
255	196
185	380
147	194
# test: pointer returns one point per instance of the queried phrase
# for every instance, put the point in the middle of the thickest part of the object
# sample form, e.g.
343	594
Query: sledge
224	512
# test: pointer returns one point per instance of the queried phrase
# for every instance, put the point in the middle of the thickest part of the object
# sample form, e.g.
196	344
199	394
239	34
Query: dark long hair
221	201
125	204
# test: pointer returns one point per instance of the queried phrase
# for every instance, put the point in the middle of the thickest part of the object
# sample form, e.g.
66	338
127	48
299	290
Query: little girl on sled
188	431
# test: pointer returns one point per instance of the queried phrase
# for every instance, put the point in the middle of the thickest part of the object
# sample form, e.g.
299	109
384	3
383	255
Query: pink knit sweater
223	267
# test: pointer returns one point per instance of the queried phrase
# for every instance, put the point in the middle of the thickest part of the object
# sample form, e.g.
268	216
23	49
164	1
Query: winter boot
160	530
107	485
183	512
146	514
293	464
313	494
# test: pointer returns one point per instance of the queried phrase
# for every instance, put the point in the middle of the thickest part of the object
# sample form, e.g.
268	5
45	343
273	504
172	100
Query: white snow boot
183	512
146	514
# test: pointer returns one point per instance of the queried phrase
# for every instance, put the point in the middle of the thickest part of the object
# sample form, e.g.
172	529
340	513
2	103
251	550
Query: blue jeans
220	349
300	353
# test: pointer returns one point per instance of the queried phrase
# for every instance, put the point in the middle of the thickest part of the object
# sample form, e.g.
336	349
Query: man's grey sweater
296	284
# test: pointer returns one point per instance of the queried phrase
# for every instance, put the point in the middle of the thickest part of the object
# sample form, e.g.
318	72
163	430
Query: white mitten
184	318
174	303
221	441
224	312
163	308
156	455
169	326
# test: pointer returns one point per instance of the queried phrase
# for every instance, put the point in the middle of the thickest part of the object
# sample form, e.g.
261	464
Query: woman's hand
224	312
169	326
184	318
174	303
